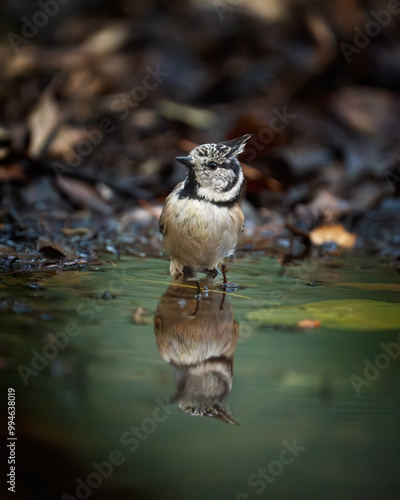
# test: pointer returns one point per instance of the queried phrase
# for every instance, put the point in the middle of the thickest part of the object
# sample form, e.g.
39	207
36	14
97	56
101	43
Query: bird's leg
226	285
197	299
224	274
221	306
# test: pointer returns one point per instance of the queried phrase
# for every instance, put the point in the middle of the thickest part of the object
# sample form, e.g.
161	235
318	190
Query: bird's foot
212	273
229	286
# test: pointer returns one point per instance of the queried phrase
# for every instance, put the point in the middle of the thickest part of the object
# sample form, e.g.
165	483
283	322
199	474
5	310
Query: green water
288	386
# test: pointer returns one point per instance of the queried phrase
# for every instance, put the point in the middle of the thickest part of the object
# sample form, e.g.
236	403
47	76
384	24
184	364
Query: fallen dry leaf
107	40
328	205
309	324
366	109
83	194
190	115
334	233
271	11
69	231
51	248
140	316
43	121
65	141
12	173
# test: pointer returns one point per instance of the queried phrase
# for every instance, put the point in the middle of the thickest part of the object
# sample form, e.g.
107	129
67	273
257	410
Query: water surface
117	389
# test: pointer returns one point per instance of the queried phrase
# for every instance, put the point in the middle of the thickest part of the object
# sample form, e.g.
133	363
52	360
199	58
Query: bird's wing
162	223
243	191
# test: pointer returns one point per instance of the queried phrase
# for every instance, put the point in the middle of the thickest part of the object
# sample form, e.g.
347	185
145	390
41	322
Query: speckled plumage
202	219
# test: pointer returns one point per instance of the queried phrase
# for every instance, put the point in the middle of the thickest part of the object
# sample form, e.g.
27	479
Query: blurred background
98	97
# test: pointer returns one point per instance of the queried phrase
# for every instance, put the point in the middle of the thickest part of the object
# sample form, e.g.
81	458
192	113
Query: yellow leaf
383	287
354	314
333	233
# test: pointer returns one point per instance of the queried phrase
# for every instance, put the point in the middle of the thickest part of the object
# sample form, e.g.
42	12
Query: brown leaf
367	109
328	205
12	173
69	231
271	11
43	122
83	194
65	141
334	233
309	324
326	44
107	40
141	316
51	248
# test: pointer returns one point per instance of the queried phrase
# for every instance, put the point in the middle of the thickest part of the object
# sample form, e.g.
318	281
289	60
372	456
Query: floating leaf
309	324
381	287
354	314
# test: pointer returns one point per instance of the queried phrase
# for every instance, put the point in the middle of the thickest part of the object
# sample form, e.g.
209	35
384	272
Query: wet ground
296	375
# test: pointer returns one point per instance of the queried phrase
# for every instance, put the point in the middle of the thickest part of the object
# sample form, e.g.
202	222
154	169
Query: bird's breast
202	219
200	233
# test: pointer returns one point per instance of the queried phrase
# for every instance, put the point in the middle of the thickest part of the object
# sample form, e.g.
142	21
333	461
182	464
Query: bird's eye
213	165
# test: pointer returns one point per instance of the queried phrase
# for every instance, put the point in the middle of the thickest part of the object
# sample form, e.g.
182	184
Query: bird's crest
221	151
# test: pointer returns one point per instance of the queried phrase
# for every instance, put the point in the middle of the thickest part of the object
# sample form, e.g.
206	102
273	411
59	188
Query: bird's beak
185	160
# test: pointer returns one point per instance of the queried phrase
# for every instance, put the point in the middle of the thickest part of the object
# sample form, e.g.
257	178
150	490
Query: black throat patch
190	187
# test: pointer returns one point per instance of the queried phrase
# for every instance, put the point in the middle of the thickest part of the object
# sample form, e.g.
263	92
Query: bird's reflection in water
197	334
